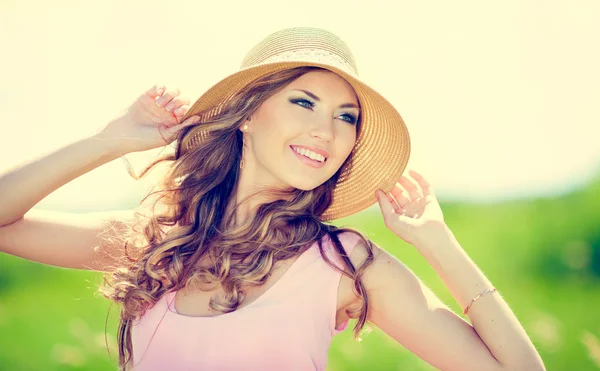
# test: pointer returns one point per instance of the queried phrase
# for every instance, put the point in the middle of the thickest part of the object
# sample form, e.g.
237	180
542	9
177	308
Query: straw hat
382	148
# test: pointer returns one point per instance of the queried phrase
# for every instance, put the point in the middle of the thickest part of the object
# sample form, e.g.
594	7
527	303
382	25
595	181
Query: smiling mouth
309	154
309	161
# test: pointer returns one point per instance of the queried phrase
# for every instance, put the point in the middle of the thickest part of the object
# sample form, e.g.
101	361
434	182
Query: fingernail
179	110
160	91
159	101
169	106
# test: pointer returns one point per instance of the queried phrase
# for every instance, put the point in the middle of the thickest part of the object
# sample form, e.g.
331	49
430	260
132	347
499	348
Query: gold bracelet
476	298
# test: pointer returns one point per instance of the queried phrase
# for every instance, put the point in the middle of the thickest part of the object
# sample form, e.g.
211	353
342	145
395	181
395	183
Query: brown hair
193	197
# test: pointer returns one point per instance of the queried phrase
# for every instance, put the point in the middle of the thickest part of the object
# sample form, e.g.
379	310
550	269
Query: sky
501	99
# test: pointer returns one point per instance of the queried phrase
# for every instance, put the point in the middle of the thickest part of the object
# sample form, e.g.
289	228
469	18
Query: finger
387	209
181	111
150	103
158	113
192	120
176	103
155	91
397	208
398	193
169	119
411	187
424	184
166	97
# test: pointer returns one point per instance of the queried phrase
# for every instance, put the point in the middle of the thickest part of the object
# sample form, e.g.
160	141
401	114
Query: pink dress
289	327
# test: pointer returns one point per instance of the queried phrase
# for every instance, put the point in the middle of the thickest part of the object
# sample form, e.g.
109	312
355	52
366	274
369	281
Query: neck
248	195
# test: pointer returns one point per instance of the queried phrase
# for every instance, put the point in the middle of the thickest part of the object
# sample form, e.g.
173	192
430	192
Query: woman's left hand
411	211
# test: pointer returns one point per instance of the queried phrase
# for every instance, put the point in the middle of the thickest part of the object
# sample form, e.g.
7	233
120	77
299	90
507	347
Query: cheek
293	120
347	142
287	126
279	120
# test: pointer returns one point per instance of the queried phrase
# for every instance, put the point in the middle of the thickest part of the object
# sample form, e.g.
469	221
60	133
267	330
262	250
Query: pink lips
314	149
308	161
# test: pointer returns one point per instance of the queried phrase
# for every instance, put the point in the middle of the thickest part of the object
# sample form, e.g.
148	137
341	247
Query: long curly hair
188	222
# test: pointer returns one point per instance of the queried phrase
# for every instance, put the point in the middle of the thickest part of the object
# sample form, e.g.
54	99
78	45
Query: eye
350	118
303	102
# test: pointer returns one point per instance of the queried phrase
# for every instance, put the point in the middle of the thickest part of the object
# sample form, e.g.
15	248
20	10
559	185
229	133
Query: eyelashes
302	102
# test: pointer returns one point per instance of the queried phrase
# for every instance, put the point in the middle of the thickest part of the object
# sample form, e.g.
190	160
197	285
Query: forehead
326	85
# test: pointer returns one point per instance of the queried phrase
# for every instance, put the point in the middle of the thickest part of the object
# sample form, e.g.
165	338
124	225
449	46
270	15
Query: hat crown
302	44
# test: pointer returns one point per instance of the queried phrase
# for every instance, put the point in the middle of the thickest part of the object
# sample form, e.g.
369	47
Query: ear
244	127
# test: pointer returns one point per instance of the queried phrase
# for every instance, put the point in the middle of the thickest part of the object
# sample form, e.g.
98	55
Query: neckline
170	296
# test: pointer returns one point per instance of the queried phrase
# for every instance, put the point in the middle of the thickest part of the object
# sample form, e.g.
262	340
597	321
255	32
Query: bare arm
73	240
80	241
409	311
61	239
145	125
406	309
25	186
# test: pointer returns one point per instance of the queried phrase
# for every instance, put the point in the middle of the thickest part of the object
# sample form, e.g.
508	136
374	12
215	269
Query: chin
306	185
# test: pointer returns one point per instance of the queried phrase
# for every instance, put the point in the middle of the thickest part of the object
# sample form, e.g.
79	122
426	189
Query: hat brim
382	148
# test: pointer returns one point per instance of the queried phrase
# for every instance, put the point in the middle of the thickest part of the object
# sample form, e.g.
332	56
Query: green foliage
543	255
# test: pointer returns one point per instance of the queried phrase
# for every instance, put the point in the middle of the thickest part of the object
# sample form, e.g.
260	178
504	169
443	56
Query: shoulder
379	270
357	246
348	239
363	254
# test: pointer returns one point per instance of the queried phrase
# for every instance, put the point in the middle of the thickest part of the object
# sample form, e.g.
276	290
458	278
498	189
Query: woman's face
317	112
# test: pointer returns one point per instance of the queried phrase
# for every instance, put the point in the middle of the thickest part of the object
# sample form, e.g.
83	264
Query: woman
235	266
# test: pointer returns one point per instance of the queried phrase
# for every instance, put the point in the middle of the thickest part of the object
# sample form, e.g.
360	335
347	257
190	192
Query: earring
245	127
243	152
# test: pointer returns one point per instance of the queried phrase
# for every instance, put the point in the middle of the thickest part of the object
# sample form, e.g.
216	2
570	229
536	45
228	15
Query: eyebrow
345	105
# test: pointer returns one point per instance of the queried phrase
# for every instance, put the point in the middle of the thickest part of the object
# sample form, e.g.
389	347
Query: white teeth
310	154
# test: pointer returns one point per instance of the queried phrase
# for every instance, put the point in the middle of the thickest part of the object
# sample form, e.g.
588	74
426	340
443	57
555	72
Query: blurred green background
543	255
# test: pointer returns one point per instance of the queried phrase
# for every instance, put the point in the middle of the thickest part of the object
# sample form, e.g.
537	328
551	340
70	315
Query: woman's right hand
152	121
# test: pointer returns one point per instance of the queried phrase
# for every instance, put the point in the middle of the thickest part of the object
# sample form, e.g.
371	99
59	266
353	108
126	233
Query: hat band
312	55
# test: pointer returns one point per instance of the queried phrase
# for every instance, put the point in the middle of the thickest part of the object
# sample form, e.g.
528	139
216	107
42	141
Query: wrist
112	144
109	147
432	236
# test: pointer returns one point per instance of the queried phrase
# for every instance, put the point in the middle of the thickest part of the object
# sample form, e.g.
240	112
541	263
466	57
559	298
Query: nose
322	128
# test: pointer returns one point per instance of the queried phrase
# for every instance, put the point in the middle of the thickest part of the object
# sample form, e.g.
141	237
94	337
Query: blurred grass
543	255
